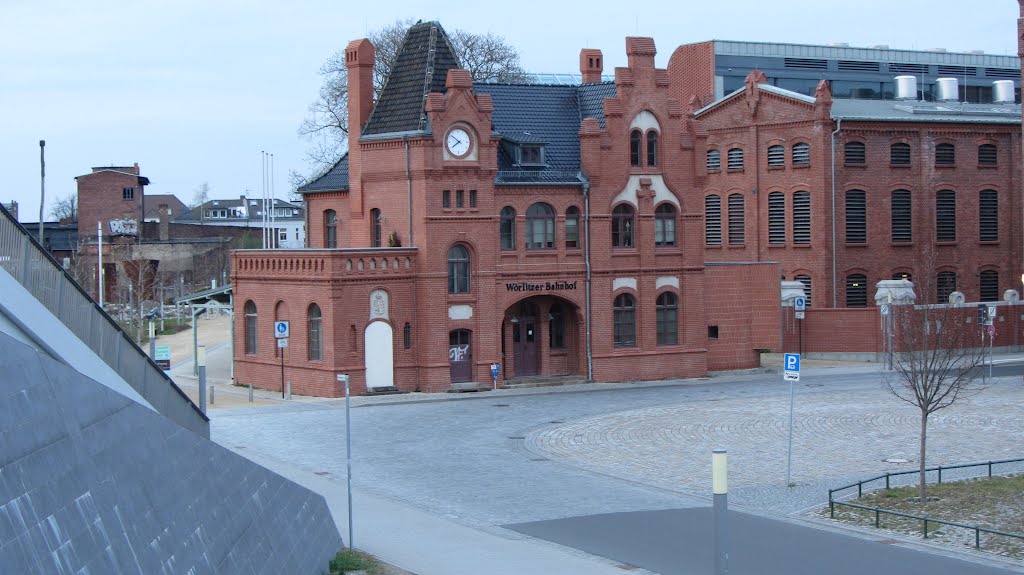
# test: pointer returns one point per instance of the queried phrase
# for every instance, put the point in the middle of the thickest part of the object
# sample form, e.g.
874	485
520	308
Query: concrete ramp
93	482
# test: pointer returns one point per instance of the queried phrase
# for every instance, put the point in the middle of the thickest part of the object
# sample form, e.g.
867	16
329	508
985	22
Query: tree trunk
921	456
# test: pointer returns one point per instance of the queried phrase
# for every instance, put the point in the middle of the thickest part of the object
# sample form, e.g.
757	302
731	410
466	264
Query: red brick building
618	230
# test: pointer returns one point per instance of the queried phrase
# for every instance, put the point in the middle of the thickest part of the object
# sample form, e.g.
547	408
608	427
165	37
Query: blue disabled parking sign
791	367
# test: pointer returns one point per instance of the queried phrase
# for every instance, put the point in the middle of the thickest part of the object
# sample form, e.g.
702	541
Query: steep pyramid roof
421	67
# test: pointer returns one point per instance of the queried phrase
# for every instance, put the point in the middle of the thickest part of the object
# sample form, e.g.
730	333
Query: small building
283	221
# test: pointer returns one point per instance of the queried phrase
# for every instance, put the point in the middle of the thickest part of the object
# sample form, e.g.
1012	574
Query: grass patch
994	503
347	561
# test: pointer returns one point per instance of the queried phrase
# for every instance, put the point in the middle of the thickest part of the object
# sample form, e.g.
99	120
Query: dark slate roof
334	179
532	113
421	68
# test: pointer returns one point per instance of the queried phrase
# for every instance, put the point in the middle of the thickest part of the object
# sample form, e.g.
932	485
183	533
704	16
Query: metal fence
31	265
925	520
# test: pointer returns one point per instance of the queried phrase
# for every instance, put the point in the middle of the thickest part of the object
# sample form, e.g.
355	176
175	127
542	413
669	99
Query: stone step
542	381
390	390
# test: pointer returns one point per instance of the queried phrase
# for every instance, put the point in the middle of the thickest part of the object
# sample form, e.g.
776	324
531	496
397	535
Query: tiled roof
421	67
531	113
333	180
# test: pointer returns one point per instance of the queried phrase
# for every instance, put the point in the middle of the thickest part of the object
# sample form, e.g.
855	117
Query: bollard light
201	356
720	489
719	472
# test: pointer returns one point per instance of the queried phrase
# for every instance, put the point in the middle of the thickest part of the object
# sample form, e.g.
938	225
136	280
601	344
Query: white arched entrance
380	364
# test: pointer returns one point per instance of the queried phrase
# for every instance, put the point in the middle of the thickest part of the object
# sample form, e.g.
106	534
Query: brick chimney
640	52
359	55
591	65
165	222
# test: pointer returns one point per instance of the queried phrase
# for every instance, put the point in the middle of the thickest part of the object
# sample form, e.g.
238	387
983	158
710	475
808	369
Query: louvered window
856	290
988	215
899	154
856	217
736	220
987	155
802	218
945	216
945	155
989	280
714	161
901	220
776	156
855	153
735	159
945	284
776	218
801	154
806	280
713	220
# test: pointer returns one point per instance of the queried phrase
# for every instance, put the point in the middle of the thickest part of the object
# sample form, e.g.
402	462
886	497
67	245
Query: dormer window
531	155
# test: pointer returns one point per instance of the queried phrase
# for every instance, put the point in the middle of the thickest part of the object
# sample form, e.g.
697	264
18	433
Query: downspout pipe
586	258
839	126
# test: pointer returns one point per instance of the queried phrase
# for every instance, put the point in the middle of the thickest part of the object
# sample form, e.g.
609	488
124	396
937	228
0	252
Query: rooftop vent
840	44
879	46
1002	92
906	87
947	90
939	50
976	52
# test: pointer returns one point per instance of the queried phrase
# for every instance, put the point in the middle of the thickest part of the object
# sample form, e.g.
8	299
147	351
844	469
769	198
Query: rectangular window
855	153
736	220
712	332
127	193
945	216
801	217
713	221
776	218
987	155
899	154
945	155
472	198
901	220
856	290
856	217
988	216
459	198
989	280
531	154
446	199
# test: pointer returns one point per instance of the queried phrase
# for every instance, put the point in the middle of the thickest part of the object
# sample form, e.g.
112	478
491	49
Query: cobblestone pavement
497	458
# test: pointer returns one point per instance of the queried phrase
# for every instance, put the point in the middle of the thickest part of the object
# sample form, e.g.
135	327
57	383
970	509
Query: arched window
250	328
856	217
945	284
902	228
572	227
945	216
330	229
622	226
737	224
635	140
508	228
314	321
714	161
989	285
776	218
713	220
665	225
667	311
987	155
806	280
652	148
776	156
854	153
801	154
899	154
856	290
556	326
625	321
988	215
945	155
458	269
375	227
735	159
540	227
801	217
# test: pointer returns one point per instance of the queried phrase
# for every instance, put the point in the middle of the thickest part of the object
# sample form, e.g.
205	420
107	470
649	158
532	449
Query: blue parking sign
792	362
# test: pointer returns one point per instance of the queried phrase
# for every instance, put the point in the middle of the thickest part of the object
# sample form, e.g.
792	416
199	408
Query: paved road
495	459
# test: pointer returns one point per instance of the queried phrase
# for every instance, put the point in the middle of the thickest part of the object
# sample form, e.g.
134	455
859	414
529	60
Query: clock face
458	142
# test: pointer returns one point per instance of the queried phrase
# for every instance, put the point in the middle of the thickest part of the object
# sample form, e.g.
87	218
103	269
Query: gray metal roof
913	111
880	54
334	179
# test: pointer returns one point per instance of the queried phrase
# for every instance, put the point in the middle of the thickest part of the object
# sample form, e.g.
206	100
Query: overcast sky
194	90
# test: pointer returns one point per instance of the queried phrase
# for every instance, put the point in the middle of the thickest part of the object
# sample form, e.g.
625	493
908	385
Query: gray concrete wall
92	482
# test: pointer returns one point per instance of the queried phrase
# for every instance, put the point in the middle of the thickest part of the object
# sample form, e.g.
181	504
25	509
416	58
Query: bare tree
936	361
487	57
65	208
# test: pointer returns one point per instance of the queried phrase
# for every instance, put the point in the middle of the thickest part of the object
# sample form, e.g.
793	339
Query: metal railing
34	268
925	520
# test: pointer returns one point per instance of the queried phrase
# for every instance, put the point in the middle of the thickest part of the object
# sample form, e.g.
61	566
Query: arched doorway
541	337
460	355
380	363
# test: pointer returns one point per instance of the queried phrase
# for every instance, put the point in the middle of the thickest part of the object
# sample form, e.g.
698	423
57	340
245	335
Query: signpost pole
282	371
789	451
343	377
201	359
